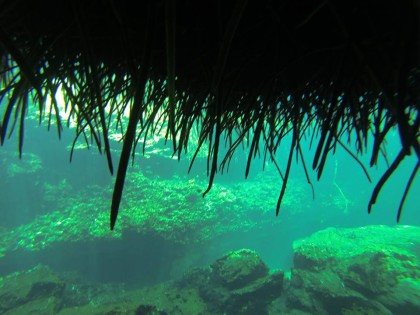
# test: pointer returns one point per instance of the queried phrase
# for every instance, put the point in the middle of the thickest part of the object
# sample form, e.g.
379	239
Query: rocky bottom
368	270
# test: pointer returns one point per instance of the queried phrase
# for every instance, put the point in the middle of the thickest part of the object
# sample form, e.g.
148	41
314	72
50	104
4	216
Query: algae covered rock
404	297
255	297
238	268
30	289
372	269
147	309
323	292
237	283
200	291
44	306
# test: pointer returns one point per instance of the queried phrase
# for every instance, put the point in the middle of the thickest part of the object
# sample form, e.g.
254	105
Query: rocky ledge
368	270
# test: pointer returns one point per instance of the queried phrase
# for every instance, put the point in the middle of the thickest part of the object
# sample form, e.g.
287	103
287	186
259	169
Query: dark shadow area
136	260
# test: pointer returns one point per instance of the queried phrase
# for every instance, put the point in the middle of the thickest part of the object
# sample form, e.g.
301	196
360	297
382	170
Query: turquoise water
56	213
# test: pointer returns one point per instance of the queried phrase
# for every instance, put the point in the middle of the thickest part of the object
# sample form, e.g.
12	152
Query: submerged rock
43	306
238	268
237	283
372	269
31	291
148	310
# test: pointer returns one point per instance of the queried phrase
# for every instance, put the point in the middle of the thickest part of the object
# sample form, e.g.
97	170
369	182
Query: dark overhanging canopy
250	72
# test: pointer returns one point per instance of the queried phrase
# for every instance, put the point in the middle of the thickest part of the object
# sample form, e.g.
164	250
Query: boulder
237	283
147	309
42	306
238	269
404	298
373	269
256	297
38	284
324	292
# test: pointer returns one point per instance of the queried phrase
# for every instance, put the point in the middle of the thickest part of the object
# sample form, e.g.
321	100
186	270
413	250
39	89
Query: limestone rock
373	269
238	268
237	283
256	297
43	306
37	284
404	298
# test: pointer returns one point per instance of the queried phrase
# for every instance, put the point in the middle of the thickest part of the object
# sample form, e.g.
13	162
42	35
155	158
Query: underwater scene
174	251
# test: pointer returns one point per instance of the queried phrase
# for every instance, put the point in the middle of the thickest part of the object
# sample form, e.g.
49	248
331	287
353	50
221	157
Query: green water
56	213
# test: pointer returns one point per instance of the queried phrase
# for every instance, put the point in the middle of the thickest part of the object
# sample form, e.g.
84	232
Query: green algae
28	164
172	208
342	242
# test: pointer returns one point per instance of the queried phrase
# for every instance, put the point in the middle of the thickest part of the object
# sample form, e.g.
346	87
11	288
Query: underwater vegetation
268	71
171	208
365	270
217	86
29	164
